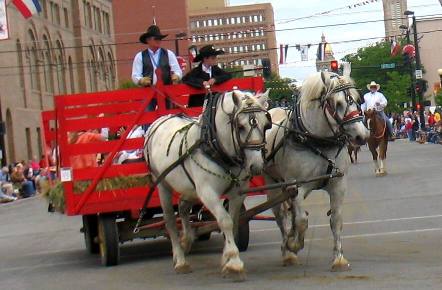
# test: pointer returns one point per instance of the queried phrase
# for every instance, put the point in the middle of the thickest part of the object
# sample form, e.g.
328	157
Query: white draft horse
239	124
310	141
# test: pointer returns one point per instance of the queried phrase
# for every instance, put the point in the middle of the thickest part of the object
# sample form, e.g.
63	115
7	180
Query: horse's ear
231	100
325	80
263	98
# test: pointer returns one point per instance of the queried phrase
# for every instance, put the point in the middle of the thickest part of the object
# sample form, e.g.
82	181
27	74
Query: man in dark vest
207	73
155	61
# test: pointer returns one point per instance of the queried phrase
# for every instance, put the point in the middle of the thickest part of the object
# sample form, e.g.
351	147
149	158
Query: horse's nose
255	170
360	140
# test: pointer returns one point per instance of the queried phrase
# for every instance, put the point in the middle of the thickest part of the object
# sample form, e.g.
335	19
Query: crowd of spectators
407	125
24	179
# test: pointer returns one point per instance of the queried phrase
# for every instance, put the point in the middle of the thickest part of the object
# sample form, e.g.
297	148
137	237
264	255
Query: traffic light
334	66
418	88
406	58
418	107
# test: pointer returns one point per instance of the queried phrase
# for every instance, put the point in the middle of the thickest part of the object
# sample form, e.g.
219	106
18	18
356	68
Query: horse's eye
241	128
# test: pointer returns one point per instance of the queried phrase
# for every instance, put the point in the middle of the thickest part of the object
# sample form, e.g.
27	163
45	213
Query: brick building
64	49
245	32
134	19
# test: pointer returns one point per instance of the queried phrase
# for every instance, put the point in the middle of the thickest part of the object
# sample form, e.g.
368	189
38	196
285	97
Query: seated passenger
207	73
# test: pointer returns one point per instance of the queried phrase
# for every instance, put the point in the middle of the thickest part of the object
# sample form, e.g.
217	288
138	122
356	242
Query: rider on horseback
376	101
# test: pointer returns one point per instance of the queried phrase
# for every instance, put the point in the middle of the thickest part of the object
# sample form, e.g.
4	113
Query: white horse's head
339	100
248	118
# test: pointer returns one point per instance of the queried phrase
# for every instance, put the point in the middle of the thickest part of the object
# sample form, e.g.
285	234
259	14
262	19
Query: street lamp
408	12
178	36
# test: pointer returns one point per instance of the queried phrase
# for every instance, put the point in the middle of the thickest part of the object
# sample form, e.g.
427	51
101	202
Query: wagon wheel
108	240
243	235
90	231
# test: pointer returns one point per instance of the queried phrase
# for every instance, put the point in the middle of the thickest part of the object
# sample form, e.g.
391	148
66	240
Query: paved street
393	239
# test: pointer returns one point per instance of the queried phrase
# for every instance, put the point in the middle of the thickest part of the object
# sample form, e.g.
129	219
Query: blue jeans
27	189
387	122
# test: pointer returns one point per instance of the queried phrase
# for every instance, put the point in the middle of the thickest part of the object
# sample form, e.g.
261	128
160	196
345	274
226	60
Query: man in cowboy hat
207	73
375	100
155	61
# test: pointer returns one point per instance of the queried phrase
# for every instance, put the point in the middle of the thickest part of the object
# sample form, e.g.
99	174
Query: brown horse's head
375	124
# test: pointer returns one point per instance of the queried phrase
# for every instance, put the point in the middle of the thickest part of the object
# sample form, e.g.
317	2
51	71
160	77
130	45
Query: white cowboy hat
373	84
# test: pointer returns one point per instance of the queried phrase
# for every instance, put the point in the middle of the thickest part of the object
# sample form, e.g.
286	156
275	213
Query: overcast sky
289	9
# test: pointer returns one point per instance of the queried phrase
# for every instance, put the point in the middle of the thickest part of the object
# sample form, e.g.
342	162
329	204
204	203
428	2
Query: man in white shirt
375	100
155	62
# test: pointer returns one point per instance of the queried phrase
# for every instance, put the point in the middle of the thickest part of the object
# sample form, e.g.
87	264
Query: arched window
112	76
48	78
100	64
60	68
33	61
21	71
71	75
92	70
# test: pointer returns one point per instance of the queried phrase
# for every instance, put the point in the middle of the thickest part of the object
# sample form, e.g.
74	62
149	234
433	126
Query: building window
60	69
232	20
238	20
44	7
255	18
28	143
39	142
71	75
47	70
20	66
33	63
66	17
97	19
55	13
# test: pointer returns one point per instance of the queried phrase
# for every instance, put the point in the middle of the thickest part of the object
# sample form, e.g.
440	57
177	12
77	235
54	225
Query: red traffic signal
418	106
334	66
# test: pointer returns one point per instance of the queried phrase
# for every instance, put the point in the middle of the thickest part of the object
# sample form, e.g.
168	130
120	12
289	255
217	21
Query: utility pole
418	67
410	69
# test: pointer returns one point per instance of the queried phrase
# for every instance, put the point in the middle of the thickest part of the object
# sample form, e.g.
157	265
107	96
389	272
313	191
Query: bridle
329	108
239	144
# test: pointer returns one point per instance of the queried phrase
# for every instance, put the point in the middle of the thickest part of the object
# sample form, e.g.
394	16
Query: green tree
280	88
439	98
366	67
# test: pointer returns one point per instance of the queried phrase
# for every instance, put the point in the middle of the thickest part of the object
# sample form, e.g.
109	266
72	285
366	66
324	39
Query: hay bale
54	193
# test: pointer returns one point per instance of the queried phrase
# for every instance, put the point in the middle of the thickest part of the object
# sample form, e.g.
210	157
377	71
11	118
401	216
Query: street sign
388	65
418	74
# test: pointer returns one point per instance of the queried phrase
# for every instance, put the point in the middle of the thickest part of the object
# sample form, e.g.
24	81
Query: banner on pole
4	28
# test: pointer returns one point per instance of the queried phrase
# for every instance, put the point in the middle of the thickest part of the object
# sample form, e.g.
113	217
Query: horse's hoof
183	269
234	273
340	265
290	259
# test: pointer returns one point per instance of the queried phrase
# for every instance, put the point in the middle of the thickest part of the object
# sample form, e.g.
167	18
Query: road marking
356	236
202	249
360	222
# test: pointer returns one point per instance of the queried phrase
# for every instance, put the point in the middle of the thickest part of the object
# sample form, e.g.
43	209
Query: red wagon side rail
115	109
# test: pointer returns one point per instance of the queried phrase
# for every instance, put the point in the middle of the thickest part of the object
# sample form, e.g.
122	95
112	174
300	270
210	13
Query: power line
98	63
221	34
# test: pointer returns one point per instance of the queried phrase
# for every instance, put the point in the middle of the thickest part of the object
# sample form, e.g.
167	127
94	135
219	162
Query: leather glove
145	82
175	78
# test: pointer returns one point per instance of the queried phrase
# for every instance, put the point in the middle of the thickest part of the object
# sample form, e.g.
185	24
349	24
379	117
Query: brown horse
378	141
352	148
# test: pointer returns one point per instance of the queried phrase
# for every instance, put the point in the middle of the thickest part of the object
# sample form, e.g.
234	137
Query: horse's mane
314	87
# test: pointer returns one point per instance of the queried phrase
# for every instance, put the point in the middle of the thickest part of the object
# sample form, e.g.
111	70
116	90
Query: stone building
244	32
65	49
394	17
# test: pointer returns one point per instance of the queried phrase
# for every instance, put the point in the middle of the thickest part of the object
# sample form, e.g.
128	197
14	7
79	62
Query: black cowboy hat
152	31
207	51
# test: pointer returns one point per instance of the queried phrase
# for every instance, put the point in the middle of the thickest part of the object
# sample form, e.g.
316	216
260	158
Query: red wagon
109	216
